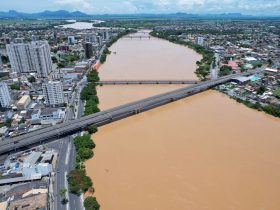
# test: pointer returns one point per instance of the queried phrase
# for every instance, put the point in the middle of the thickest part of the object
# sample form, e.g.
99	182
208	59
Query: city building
105	35
200	41
99	40
48	114
90	37
30	57
53	93
71	40
88	50
24	102
5	96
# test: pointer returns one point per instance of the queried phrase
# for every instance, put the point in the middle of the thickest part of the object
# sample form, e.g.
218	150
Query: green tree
31	79
62	193
225	70
91	203
8	122
261	90
15	86
92	129
78	181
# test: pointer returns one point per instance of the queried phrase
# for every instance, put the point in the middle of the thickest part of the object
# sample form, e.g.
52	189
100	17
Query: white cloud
148	6
83	5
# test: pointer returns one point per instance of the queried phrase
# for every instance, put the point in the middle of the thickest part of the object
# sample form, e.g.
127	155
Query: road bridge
111	115
137	37
147	82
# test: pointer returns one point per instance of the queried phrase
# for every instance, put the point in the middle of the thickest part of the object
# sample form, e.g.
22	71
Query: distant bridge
137	37
147	82
111	115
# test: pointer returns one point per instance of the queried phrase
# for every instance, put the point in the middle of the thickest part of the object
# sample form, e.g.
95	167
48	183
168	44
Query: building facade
200	41
5	96
88	47
30	57
53	93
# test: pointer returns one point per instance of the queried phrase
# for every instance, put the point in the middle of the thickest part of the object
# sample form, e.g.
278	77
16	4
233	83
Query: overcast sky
264	7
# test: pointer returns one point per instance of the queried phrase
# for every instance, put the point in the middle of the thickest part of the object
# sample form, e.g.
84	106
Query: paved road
111	115
65	163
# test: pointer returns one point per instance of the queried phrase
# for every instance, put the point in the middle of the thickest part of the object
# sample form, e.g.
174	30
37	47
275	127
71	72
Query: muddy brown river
205	152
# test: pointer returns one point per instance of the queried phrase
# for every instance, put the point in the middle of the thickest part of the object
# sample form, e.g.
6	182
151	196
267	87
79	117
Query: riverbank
268	109
106	51
203	69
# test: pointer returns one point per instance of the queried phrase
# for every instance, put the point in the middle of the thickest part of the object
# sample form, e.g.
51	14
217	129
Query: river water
203	152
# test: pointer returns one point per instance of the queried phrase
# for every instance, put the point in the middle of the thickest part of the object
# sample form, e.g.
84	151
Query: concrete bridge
110	115
147	82
137	37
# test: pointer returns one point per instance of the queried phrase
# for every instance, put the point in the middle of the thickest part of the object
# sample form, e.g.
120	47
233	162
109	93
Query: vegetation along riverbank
78	180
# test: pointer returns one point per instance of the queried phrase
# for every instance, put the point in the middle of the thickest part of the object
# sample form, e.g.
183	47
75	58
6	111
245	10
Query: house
233	65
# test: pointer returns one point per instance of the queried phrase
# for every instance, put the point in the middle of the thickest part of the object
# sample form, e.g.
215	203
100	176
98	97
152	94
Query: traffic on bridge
111	115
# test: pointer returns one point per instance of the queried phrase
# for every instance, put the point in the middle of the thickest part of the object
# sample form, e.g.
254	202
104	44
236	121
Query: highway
111	115
147	82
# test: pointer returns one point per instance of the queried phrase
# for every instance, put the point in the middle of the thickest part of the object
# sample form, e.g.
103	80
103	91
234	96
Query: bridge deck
147	82
111	115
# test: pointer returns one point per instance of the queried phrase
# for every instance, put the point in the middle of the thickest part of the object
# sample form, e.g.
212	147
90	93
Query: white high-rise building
71	40
53	93
5	96
105	35
30	57
200	41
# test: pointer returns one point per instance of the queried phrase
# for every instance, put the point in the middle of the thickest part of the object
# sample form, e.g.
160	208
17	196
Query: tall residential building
5	96
71	40
105	35
99	40
200	41
30	57
53	93
88	50
90	37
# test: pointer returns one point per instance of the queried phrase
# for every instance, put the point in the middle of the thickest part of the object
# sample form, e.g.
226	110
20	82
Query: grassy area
277	92
70	58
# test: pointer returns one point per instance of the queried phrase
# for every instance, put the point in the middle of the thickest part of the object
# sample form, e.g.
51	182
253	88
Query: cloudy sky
264	7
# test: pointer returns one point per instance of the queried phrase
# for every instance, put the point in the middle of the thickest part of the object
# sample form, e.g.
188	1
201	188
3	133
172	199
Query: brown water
203	152
149	59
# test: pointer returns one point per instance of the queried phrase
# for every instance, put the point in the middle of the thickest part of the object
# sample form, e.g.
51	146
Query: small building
233	65
24	102
271	71
47	114
241	80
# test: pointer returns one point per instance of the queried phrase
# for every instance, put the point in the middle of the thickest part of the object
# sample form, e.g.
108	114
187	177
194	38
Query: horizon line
160	13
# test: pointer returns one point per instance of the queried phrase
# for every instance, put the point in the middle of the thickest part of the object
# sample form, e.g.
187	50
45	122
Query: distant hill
44	14
77	14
